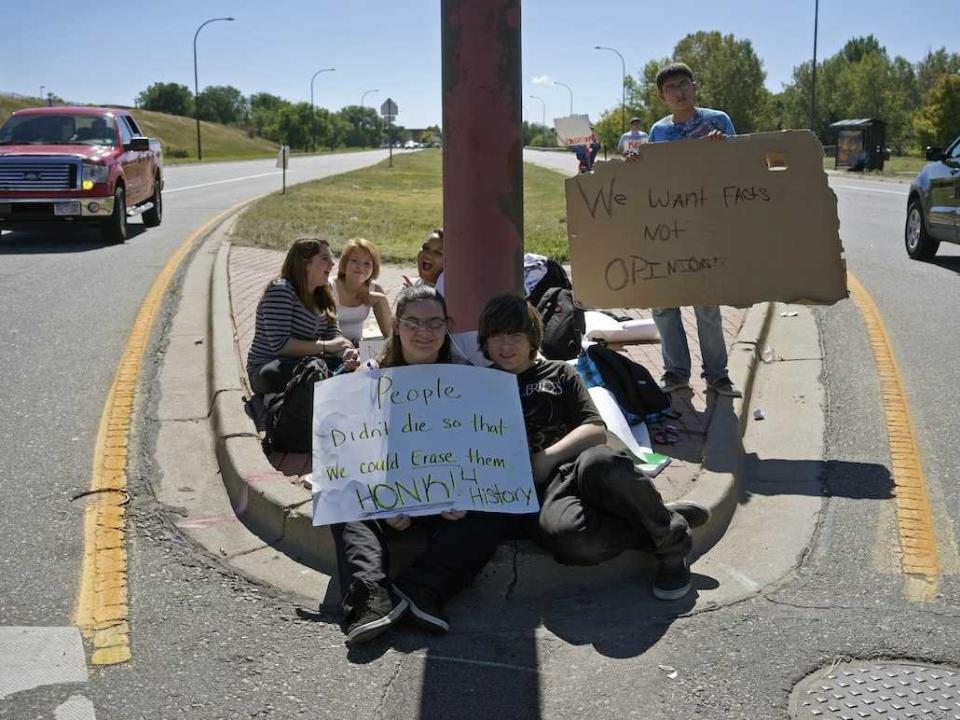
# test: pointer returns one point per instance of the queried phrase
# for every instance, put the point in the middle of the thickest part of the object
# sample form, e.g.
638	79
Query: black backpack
290	413
555	277
630	382
563	324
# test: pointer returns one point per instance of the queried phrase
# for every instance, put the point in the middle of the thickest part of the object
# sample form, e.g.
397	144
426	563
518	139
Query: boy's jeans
673	341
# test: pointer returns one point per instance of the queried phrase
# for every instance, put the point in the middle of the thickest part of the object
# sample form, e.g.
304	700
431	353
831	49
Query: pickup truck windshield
63	129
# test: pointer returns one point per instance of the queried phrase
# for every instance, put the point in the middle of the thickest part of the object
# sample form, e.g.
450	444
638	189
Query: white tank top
351	321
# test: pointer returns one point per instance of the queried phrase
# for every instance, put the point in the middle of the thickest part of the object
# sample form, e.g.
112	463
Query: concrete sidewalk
272	499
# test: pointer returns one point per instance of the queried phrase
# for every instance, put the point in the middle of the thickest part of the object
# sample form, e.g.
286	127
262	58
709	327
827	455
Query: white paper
574	130
636	438
419	440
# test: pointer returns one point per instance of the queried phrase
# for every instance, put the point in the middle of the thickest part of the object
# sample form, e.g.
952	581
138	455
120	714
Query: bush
175	152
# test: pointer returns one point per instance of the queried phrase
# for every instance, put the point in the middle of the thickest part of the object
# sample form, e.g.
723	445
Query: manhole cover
861	691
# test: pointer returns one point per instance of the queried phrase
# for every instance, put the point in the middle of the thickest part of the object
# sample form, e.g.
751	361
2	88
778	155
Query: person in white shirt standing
630	142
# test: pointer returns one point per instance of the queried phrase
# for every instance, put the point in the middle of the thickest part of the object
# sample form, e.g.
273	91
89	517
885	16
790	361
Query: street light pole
363	95
42	88
813	77
196	82
313	140
569	90
543	108
623	86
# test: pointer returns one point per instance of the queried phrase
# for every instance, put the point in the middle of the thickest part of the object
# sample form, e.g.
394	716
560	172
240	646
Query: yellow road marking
918	547
102	612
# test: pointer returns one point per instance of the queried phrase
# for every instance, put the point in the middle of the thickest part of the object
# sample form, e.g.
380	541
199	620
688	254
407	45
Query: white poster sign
574	130
419	440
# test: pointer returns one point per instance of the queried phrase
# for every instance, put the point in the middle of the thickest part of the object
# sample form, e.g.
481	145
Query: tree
264	115
935	65
223	104
365	127
171	98
936	123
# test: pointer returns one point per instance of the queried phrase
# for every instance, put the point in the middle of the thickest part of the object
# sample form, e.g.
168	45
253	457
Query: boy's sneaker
372	616
670	382
694	513
673	579
424	607
723	386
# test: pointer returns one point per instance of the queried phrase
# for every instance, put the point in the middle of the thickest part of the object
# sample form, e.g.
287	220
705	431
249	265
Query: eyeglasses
433	324
680	87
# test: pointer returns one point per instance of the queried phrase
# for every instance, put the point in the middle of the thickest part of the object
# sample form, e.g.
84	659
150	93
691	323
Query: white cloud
543	80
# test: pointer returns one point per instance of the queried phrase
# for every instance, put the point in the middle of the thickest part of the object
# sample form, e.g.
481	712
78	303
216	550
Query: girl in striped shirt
296	318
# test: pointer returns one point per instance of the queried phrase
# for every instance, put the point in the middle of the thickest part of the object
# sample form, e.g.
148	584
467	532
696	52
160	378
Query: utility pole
313	139
196	82
813	69
623	86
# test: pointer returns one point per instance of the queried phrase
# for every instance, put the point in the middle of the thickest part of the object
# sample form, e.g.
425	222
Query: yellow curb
919	560
102	610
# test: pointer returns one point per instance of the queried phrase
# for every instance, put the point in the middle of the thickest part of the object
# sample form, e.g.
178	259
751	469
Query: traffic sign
389	108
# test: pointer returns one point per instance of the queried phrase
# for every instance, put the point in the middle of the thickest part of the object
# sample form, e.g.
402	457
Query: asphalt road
208	644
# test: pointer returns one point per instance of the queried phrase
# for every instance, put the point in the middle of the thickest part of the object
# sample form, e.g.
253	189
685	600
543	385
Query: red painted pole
482	155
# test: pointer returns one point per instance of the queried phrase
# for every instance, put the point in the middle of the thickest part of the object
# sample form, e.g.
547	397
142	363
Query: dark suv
933	210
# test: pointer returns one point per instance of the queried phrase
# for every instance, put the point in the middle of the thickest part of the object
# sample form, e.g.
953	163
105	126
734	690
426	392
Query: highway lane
68	302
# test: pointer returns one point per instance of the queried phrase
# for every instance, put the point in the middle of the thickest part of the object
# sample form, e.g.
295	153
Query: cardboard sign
698	222
419	440
574	130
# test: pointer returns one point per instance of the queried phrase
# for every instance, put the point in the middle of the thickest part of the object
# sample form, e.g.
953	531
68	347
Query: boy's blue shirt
703	121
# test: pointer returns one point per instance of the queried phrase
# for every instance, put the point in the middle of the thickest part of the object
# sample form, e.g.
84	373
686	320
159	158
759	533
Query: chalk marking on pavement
918	556
466	661
102	611
871	190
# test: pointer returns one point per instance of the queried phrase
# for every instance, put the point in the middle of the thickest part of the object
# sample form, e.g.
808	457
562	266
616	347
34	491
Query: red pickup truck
78	165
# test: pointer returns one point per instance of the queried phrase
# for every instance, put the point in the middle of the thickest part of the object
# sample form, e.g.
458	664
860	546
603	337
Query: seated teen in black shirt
594	502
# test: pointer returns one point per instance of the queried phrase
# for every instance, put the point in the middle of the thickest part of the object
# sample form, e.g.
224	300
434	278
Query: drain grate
866	691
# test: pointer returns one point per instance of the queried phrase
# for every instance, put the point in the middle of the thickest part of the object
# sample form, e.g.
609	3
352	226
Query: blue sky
108	52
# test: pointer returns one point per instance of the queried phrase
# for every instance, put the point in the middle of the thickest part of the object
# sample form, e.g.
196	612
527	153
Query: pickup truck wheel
154	216
115	229
920	246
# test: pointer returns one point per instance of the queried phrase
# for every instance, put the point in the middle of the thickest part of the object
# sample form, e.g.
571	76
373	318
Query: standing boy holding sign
594	503
678	90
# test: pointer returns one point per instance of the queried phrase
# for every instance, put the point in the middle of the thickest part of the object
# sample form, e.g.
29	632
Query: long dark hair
294	271
392	355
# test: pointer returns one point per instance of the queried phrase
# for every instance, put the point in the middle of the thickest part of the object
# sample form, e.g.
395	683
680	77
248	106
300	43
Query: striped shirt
281	316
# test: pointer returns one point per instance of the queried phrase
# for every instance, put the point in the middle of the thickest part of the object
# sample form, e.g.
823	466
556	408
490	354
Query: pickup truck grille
39	174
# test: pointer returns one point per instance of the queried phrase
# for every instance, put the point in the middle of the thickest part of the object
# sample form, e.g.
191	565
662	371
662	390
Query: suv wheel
115	229
919	244
154	216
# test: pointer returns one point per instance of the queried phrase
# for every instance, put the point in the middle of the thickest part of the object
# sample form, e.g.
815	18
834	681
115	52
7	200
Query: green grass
394	208
897	166
179	134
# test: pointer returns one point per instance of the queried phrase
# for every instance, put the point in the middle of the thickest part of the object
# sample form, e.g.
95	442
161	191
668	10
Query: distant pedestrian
631	141
677	88
297	318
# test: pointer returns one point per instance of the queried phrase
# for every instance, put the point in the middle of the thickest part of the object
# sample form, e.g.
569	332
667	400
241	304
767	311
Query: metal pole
623	86
196	83
813	77
313	139
569	90
390	137
363	95
42	88
482	157
543	110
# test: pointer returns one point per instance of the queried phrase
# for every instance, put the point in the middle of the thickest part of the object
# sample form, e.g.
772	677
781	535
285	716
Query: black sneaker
673	579
694	513
670	382
424	607
724	386
372	616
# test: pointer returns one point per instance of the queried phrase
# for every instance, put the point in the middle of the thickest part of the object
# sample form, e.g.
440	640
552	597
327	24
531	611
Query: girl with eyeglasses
459	544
